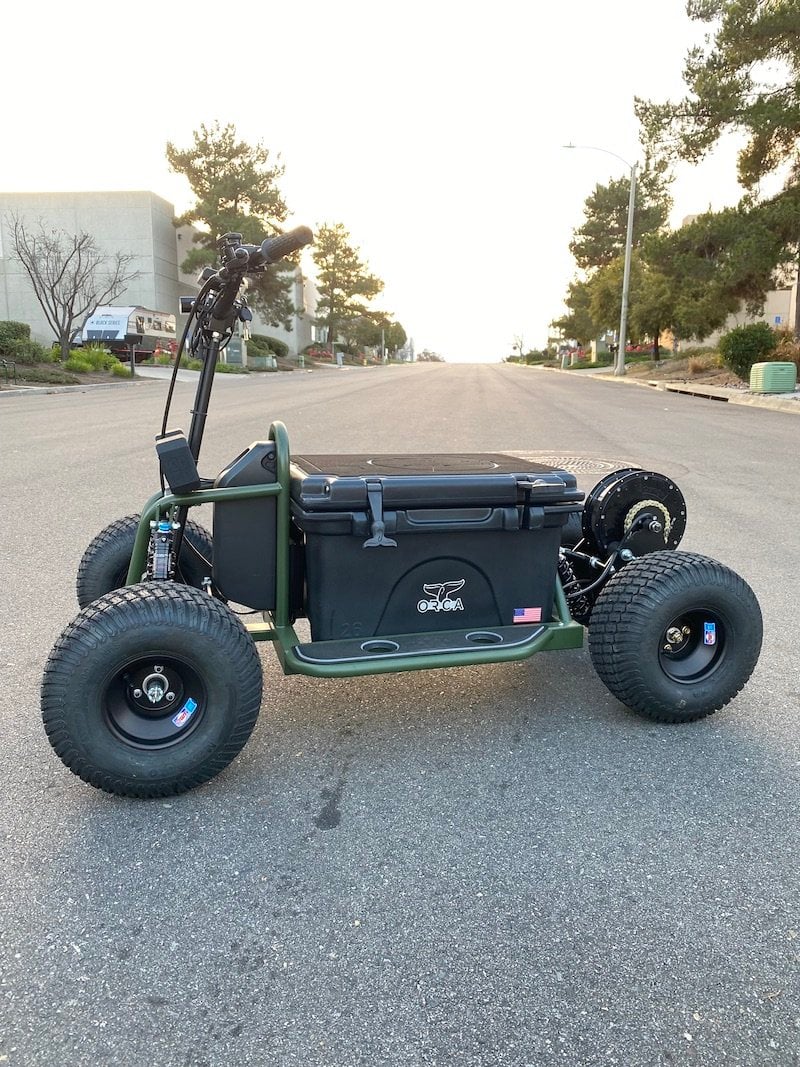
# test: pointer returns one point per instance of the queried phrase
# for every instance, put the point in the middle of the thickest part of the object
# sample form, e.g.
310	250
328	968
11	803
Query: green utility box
773	377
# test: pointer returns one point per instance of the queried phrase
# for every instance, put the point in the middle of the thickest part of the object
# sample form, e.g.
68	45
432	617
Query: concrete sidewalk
775	401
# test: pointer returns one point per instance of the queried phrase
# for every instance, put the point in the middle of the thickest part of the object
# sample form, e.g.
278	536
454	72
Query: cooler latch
377	526
532	517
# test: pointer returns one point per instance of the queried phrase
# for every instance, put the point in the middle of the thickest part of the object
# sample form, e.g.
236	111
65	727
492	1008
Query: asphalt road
486	866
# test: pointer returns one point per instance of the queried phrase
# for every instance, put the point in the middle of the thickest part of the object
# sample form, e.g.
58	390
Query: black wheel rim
692	646
154	701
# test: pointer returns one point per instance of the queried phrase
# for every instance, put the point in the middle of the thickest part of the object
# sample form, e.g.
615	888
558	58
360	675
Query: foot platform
410	646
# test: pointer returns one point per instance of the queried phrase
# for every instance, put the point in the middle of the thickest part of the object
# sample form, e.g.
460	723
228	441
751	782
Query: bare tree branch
68	273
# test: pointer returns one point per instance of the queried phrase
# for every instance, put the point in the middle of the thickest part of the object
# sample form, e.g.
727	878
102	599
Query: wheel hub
692	646
155	702
676	637
152	689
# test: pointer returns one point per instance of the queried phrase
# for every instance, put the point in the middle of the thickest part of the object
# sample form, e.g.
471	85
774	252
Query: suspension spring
160	559
579	604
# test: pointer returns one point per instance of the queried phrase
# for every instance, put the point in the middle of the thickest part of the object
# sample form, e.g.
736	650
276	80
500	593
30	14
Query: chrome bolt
137	692
170	696
686	631
157	669
656	526
626	555
674	635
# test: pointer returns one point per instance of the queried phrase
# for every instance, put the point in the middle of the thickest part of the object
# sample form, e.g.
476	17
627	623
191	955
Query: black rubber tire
633	614
104	564
86	690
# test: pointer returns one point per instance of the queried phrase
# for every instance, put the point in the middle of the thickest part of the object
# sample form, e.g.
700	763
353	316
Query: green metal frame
562	632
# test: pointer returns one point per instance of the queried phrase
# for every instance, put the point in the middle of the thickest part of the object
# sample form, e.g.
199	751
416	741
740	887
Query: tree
599	243
745	79
652	300
236	191
601	237
605	293
578	324
395	337
379	329
344	284
69	274
722	260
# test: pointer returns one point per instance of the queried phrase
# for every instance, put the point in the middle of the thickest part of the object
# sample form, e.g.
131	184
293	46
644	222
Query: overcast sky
432	131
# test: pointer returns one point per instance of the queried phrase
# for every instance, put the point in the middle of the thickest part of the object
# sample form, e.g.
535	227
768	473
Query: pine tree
344	284
236	191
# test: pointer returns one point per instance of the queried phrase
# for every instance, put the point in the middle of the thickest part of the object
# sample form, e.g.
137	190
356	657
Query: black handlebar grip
275	248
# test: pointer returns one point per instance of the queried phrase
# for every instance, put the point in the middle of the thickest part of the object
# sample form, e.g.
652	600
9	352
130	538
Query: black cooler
413	543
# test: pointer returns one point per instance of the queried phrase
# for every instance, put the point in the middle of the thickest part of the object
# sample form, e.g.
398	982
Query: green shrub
120	370
192	364
262	345
27	352
13	331
746	345
230	368
78	365
97	358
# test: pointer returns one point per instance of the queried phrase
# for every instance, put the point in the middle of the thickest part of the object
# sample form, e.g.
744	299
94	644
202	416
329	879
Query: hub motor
645	509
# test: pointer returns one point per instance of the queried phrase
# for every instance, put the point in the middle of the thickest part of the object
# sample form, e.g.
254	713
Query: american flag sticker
527	614
186	712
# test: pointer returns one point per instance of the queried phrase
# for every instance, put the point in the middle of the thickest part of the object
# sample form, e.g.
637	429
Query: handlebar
243	258
275	248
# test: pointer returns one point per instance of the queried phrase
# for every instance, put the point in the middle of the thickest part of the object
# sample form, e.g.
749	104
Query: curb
733	396
781	402
38	390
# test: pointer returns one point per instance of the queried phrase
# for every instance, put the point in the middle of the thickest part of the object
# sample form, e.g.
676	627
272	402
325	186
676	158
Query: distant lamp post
619	359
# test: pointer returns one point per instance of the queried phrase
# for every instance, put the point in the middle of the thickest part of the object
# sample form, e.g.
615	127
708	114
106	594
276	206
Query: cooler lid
323	482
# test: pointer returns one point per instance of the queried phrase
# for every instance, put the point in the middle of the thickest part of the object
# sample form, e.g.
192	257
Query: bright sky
431	130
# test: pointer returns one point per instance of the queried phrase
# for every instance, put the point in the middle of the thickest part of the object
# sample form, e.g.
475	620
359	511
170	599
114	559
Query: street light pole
619	360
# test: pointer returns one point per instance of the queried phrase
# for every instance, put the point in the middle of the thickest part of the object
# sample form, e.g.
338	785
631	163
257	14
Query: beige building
779	312
138	223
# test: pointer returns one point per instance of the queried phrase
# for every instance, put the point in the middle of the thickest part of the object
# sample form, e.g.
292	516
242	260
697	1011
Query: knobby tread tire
164	618
637	600
104	564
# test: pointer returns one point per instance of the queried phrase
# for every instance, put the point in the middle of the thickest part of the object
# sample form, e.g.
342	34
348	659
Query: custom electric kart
399	562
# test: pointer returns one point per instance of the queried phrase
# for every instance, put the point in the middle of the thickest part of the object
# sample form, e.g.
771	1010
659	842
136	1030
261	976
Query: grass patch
47	375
